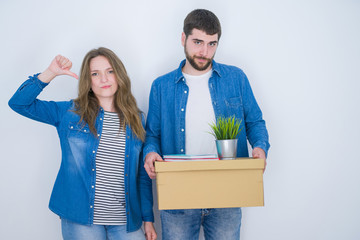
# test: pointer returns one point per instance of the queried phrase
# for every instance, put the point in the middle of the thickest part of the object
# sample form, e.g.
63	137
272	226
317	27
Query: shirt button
98	135
128	137
71	127
127	155
93	151
185	91
91	206
92	186
93	170
182	150
85	130
182	129
100	119
182	109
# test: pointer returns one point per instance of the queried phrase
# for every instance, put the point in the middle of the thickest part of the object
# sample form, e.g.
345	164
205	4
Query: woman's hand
150	232
59	66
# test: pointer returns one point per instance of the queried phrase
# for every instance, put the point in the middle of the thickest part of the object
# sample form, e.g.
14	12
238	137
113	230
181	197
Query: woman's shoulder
68	109
65	105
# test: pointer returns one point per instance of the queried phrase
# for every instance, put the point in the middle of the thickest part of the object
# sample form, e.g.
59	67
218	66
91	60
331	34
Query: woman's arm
25	101
150	232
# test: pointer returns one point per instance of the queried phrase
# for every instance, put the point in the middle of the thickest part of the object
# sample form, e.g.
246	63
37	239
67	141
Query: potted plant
226	130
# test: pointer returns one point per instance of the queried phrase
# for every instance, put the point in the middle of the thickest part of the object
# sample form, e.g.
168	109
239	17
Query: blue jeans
74	231
218	223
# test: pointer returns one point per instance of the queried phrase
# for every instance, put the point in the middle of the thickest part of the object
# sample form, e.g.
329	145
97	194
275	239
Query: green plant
226	128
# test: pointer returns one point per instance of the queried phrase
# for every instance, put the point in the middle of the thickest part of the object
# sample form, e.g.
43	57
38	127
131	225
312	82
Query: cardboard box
210	184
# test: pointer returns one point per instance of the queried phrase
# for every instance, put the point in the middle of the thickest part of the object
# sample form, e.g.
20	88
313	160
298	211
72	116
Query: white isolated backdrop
302	59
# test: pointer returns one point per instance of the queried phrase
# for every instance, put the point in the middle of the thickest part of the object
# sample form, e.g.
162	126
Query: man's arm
151	149
256	131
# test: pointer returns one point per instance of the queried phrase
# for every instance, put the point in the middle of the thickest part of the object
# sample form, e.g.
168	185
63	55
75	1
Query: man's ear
183	39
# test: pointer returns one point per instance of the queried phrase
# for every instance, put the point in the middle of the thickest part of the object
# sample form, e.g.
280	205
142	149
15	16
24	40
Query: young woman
102	190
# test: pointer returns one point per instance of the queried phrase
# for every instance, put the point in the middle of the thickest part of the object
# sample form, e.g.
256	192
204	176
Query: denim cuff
38	82
263	146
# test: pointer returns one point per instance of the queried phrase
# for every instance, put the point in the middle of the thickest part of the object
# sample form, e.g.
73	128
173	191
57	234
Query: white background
302	59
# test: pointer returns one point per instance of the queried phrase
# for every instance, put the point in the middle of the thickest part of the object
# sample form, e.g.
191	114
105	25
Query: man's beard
195	65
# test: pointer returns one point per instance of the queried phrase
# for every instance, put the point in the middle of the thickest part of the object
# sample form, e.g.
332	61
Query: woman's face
103	80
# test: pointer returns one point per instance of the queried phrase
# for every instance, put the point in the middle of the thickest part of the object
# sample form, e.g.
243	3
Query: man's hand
59	66
149	163
150	232
259	153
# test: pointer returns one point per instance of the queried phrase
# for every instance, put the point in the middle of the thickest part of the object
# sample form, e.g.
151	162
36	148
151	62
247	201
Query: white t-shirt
199	114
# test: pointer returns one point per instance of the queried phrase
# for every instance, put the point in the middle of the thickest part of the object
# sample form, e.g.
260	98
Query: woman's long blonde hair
87	105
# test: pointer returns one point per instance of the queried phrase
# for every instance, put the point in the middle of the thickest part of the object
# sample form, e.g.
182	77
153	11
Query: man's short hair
203	20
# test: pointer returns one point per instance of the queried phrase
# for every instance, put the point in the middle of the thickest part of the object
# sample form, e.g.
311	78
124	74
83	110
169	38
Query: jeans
74	231
218	224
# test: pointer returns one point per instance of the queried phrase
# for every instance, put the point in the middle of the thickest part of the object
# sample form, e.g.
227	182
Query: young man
181	106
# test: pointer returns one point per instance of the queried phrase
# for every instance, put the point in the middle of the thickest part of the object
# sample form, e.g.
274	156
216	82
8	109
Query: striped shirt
109	204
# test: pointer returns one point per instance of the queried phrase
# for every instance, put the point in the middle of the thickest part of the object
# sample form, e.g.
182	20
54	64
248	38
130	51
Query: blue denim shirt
231	95
73	193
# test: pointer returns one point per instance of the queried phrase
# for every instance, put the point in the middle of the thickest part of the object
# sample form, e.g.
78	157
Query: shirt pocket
233	102
234	106
78	132
79	145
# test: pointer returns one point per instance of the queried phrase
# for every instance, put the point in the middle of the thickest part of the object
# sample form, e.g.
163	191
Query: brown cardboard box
210	184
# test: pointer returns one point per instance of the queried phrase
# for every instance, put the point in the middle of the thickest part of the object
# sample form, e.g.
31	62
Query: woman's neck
107	105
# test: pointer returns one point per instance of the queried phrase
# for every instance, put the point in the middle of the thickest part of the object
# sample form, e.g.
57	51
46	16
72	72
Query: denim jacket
73	194
231	95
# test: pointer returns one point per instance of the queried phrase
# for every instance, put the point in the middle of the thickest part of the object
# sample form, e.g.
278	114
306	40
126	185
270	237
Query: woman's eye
111	71
94	74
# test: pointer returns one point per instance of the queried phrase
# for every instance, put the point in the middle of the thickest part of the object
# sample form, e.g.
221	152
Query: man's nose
204	50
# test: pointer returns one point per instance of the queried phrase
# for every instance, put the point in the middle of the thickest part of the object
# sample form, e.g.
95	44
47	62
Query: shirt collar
179	75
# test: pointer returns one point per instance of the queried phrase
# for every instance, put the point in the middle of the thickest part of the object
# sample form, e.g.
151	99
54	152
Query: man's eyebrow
199	40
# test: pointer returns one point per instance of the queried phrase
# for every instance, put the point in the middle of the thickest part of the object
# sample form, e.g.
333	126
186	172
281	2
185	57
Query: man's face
200	49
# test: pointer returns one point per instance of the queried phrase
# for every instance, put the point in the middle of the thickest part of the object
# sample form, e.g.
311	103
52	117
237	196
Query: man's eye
212	44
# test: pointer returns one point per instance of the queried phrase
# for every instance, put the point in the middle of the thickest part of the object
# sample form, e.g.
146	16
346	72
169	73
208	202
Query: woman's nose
103	78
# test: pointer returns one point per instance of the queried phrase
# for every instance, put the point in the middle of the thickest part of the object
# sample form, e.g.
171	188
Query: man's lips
200	59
